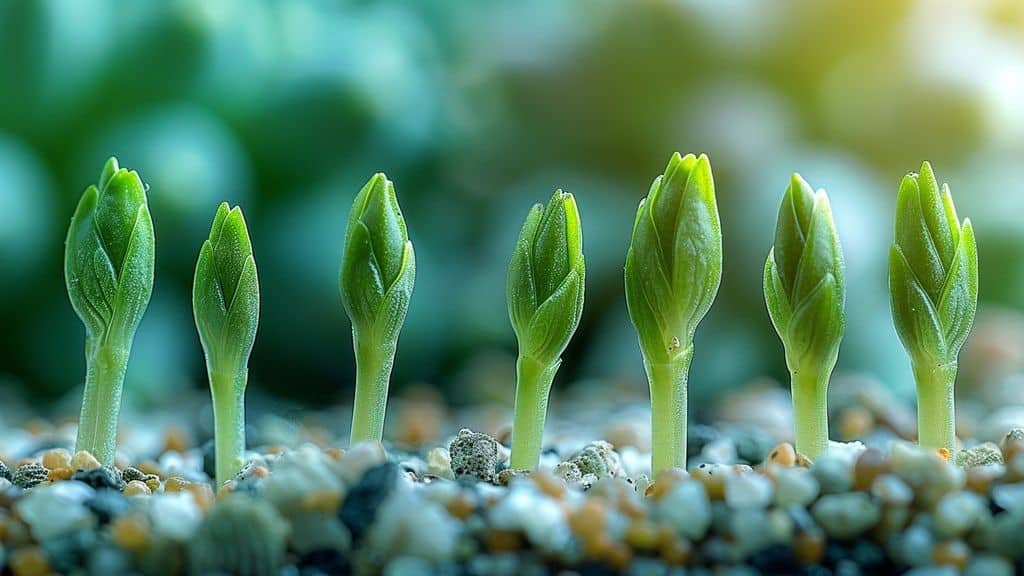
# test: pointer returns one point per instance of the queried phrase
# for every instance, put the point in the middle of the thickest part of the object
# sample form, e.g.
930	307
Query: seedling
378	270
933	287
226	304
108	268
673	269
545	301
805	290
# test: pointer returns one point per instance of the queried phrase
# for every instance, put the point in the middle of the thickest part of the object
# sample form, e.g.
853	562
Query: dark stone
5	472
130	473
359	509
70	551
775	560
107	505
29	475
324	561
102	478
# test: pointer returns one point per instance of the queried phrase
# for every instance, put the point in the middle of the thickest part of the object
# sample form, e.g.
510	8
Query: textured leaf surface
804	279
674	264
545	282
933	270
378	268
109	256
226	292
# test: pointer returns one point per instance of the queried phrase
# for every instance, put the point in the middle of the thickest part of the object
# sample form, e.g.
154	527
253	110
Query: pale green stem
936	416
668	381
373	376
810	411
533	384
228	390
104	378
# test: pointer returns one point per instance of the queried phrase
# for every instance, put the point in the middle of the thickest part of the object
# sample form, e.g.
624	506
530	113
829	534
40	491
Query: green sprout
933	287
108	267
226	303
673	269
805	290
378	271
545	300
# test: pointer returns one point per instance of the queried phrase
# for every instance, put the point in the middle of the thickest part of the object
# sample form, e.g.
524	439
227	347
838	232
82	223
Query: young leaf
804	284
108	267
674	263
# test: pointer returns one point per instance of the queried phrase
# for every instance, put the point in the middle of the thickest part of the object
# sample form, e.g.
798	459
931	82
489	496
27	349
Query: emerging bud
378	269
674	263
804	280
109	256
933	271
226	292
546	279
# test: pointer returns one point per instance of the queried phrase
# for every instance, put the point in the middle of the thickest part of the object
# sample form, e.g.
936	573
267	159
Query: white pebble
748	491
51	511
540	517
795	486
175	515
439	463
687	509
958	512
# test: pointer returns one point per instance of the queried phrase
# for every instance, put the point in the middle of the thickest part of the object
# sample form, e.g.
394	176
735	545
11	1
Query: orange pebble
136	488
58	474
203	495
549	484
129	532
29	562
326	501
782	455
175	484
664	482
56	458
461	507
176	440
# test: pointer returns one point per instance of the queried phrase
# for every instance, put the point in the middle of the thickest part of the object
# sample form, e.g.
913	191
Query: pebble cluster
458	510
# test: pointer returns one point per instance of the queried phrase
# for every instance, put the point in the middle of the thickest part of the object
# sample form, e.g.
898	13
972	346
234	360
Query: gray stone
958	512
687	509
846	516
795	486
748	491
598	458
474	454
834	474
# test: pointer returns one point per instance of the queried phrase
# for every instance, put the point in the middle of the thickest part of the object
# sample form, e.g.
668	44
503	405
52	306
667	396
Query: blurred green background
476	110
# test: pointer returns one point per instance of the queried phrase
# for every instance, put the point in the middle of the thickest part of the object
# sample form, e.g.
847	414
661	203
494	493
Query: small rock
598	458
241	535
100	478
870	464
430	533
474	454
525	508
892	491
361	504
846	516
56	510
5	472
721	450
712	476
917	546
980	455
569	472
360	458
1009	496
108	505
508	475
56	458
833	473
29	475
137	488
748	491
439	463
84	460
175	515
988	565
958	512
686	508
1014	435
782	455
795	486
